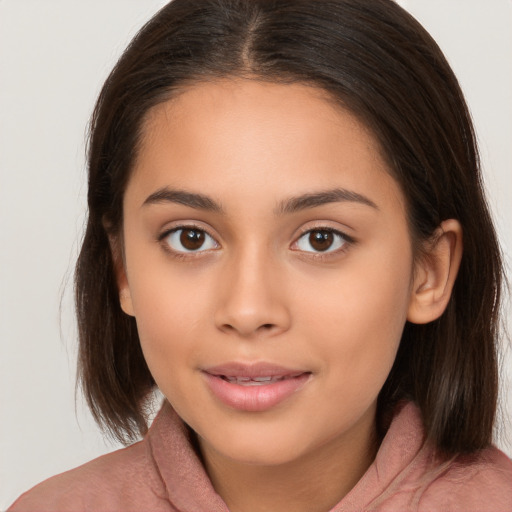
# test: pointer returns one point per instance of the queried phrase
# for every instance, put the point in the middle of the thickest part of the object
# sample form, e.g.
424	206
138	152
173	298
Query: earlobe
435	274
125	299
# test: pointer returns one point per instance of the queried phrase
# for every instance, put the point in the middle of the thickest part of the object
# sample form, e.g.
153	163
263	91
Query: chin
263	453
259	443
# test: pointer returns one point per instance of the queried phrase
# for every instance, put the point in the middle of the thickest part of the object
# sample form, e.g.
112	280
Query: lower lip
254	398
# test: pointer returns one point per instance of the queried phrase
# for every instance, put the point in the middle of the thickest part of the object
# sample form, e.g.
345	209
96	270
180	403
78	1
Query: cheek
166	329
169	311
166	315
360	315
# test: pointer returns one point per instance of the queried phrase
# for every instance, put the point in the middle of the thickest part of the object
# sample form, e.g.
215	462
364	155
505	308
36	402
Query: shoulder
121	480
477	482
408	474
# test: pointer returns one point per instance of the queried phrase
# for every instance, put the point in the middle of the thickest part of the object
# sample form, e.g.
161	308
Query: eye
189	239
321	240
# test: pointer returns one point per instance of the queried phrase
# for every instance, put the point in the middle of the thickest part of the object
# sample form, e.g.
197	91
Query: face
268	264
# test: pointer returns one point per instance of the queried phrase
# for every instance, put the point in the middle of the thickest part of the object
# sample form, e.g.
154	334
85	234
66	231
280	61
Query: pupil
321	240
192	239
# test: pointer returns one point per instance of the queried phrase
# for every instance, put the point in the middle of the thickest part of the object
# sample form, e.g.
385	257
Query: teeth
254	381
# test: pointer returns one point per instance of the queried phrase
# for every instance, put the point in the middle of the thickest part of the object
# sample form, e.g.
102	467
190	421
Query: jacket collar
188	487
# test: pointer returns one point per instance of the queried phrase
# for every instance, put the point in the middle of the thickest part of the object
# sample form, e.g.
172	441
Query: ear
435	274
125	298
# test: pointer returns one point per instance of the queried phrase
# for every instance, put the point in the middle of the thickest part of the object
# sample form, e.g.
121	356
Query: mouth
254	387
257	381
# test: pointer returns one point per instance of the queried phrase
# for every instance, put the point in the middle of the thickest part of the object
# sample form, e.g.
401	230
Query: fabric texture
163	473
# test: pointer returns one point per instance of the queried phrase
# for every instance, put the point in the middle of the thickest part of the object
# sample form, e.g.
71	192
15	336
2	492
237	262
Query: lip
233	384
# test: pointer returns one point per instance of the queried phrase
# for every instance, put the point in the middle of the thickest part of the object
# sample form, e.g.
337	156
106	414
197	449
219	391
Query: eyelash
343	238
345	241
185	254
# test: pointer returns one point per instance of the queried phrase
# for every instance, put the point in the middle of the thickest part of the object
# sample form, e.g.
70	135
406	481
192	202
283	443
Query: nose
251	299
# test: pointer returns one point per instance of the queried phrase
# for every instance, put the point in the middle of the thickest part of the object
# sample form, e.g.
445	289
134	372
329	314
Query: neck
315	482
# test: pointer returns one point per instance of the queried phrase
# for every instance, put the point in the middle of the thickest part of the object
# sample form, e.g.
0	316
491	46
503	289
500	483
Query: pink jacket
163	473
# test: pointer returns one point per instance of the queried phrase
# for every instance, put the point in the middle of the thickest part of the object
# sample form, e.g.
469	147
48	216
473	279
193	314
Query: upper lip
252	370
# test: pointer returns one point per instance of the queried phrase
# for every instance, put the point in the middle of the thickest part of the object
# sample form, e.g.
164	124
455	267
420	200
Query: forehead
238	134
287	110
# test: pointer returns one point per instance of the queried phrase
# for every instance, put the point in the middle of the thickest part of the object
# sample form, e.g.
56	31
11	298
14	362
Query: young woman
287	236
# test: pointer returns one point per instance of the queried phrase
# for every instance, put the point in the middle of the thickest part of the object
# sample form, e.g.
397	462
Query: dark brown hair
377	61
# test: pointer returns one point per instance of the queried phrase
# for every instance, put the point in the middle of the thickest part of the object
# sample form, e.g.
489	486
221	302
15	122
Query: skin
258	290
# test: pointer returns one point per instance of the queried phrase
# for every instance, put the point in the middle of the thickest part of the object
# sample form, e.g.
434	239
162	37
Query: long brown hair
374	59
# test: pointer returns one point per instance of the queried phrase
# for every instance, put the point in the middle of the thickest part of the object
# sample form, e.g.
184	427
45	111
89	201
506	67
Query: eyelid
348	241
184	226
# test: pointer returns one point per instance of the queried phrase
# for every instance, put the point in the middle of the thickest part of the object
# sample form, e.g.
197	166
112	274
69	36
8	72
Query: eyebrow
337	195
291	205
191	199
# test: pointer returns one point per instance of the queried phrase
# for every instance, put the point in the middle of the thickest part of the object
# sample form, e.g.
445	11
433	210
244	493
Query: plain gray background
54	56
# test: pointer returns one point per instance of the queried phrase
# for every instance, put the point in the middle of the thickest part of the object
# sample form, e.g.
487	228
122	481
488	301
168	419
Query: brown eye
192	239
321	240
189	240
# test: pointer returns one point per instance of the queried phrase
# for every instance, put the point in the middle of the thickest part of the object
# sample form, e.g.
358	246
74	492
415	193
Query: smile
255	381
254	388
